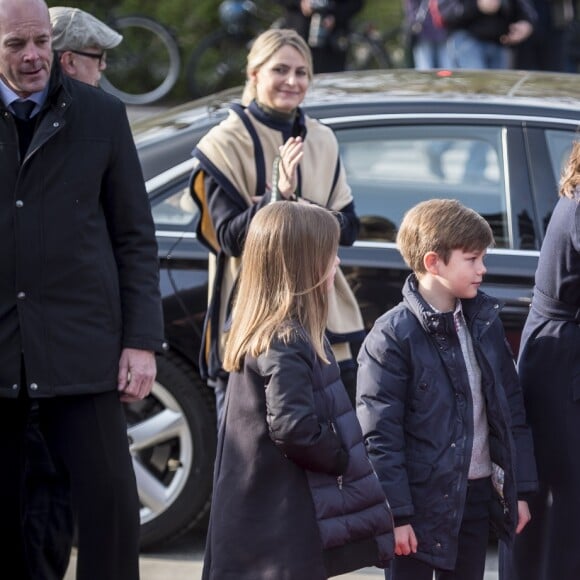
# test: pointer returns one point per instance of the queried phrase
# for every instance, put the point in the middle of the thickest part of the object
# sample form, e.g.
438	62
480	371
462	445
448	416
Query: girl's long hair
571	175
288	256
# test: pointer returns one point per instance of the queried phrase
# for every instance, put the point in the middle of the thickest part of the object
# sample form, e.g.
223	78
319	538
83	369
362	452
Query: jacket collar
59	96
481	309
295	128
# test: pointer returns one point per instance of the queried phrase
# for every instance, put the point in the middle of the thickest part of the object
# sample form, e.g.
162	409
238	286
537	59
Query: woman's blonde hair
570	179
288	256
264	47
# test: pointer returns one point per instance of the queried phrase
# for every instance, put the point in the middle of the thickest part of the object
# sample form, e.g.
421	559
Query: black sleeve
349	225
294	425
230	216
525	10
132	234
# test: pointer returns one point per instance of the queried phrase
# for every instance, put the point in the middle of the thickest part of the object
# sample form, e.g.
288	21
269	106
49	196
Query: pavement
183	560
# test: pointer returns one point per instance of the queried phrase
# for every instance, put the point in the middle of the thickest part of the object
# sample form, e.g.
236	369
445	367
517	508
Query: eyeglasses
100	56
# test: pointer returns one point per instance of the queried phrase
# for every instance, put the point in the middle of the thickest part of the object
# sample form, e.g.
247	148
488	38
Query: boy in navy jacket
440	404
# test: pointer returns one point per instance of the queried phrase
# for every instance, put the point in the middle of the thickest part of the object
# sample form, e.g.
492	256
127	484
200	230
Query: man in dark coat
80	309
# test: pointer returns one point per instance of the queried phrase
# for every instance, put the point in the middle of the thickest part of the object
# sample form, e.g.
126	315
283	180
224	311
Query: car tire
172	437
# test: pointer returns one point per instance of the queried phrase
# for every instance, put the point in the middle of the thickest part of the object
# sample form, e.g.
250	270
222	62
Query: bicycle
146	65
366	49
219	60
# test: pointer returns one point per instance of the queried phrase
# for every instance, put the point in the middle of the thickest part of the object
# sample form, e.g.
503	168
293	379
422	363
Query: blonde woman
233	177
294	493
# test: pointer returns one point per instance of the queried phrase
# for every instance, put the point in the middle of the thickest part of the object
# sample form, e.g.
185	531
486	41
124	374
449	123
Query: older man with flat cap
81	42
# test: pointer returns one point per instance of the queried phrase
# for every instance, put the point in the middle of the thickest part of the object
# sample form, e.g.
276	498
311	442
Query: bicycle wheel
218	63
365	53
146	65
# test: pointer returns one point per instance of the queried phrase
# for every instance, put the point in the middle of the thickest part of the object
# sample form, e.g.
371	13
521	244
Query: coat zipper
339	478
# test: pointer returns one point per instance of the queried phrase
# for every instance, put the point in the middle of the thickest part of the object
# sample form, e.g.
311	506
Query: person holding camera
325	25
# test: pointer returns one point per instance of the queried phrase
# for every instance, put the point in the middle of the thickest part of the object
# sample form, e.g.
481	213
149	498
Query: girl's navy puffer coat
295	495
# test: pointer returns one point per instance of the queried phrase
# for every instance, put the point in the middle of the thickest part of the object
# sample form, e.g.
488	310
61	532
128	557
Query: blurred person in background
481	33
81	42
481	36
555	33
426	35
325	25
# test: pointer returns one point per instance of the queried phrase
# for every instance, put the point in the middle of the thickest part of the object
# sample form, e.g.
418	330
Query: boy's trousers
472	543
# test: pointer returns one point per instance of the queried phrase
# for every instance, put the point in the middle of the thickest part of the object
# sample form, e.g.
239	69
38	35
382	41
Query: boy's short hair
441	226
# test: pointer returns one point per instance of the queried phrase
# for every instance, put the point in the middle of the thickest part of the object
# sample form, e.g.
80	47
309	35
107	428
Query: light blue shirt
8	96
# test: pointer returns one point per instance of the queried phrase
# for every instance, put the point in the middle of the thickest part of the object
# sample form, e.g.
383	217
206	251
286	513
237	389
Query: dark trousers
549	546
48	517
86	437
472	547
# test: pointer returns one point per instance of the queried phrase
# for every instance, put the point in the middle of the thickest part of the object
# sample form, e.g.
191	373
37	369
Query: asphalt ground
183	560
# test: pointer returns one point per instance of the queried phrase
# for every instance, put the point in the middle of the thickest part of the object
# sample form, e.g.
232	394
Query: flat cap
74	29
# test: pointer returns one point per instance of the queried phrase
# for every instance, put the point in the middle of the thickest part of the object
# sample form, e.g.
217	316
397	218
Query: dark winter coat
414	405
295	496
549	364
78	265
465	15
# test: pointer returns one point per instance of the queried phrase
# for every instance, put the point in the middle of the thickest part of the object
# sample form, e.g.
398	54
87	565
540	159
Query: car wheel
172	437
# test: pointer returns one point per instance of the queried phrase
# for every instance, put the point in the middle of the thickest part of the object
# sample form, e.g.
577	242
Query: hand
405	540
306	8
329	22
290	155
488	6
524	515
518	32
137	370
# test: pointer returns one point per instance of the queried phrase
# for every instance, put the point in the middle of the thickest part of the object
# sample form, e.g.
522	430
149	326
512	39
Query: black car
494	140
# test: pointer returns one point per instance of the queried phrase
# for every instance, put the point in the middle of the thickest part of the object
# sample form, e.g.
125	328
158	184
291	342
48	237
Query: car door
394	162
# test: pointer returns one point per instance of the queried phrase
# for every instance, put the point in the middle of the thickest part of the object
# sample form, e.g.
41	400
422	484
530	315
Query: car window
174	211
390	169
559	147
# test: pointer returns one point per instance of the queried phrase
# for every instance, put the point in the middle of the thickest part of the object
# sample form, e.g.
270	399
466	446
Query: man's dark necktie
24	124
23	109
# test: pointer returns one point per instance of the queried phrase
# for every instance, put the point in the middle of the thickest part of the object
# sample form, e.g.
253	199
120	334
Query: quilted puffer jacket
295	495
